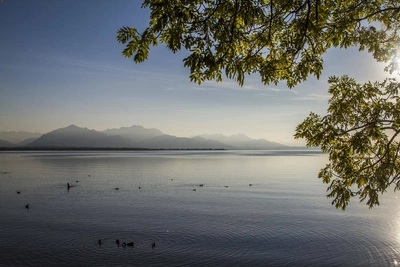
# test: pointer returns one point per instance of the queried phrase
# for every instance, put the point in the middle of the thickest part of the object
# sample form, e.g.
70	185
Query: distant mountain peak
137	126
126	128
240	137
134	136
237	137
71	127
4	143
74	136
243	142
18	137
134	132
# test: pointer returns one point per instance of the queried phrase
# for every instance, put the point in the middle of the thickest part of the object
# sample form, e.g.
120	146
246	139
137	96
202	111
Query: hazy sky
61	64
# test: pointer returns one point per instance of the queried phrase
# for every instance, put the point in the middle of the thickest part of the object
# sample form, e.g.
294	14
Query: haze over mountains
129	137
243	141
18	137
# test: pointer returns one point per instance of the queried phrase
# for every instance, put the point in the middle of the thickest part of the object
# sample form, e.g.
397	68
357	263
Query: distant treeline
98	149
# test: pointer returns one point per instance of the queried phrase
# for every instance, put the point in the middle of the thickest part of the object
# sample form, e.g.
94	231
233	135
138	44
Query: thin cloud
175	109
213	85
170	89
313	97
267	95
295	92
97	66
101	69
203	87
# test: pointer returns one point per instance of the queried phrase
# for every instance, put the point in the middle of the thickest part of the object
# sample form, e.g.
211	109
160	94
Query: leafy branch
363	158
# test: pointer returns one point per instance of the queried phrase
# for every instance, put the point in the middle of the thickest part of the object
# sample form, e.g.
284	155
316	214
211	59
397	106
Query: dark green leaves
280	40
360	134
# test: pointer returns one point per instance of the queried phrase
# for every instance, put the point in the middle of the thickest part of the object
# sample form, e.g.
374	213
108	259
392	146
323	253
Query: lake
200	208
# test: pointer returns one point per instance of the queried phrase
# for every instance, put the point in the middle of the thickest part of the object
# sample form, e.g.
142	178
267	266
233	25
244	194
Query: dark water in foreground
283	219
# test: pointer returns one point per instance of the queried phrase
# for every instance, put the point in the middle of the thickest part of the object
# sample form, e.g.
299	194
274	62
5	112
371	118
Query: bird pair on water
130	244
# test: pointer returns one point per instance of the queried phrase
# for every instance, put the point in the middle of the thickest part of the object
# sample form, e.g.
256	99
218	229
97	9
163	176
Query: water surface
220	208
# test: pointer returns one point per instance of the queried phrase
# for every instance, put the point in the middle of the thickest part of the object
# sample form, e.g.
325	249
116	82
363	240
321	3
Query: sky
61	64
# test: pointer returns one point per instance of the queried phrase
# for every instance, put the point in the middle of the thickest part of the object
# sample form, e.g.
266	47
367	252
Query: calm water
282	219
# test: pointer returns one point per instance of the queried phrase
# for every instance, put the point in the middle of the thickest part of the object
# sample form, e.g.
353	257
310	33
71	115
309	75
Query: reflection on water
197	206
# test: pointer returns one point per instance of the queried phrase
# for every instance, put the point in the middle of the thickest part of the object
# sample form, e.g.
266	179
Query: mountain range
18	137
135	136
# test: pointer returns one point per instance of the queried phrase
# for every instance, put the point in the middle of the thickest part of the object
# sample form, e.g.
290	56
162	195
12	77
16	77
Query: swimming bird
117	242
27	206
100	241
69	185
130	244
117	188
124	244
201	185
250	184
194	189
18	192
139	187
153	245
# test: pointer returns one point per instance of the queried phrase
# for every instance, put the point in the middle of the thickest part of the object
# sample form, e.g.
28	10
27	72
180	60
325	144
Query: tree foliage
279	39
285	40
359	133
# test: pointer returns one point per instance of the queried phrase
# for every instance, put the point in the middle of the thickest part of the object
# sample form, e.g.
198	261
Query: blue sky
61	64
